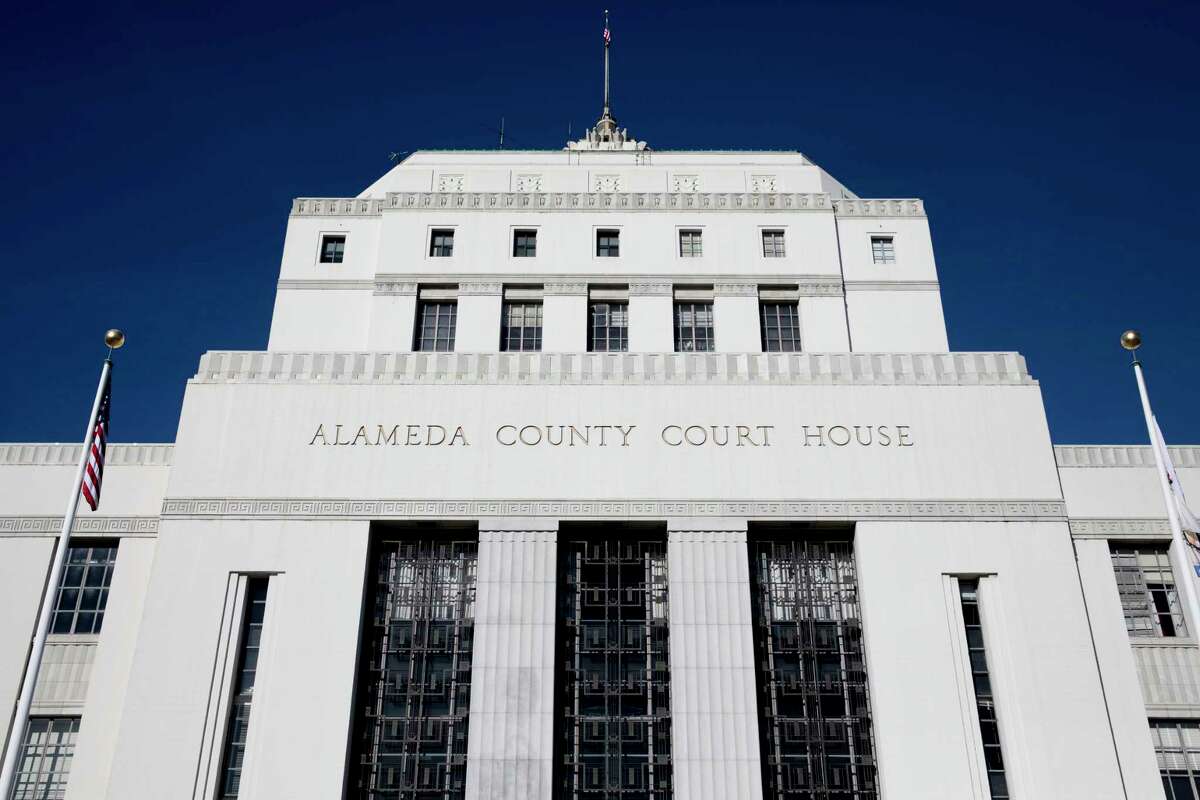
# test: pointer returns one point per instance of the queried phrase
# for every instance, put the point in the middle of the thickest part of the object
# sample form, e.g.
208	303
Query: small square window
690	244
883	250
333	248
524	244
441	243
608	244
772	244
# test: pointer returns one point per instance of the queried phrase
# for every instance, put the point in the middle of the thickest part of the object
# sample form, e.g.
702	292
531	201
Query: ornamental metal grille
813	710
435	328
415	674
780	328
46	754
1177	745
614	705
985	701
609	331
83	589
521	327
883	250
243	694
772	243
693	327
1146	586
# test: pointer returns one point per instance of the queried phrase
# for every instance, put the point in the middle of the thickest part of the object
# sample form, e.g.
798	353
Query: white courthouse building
604	473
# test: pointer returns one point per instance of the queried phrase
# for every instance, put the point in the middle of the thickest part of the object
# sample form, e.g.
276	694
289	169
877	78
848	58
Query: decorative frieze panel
845	369
283	508
450	183
1120	529
685	183
606	183
724	289
1103	455
762	183
480	288
528	183
880	208
64	455
336	207
395	287
651	288
106	526
561	287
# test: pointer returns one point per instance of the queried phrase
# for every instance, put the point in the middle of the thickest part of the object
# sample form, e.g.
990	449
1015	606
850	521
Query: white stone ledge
1108	455
62	455
843	369
834	510
1117	528
119	527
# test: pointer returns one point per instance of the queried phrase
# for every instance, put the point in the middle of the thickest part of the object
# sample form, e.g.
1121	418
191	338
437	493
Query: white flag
1187	520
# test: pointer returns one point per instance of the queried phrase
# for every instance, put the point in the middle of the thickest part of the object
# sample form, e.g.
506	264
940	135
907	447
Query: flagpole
1131	341
12	752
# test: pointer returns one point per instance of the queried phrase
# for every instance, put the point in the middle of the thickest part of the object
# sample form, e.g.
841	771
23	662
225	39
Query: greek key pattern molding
1106	455
841	369
84	526
1120	529
849	510
602	201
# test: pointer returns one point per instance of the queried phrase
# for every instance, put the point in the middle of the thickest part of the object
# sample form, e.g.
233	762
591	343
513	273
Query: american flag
607	36
95	464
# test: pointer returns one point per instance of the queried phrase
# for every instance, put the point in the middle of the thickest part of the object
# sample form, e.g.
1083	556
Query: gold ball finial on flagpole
1131	340
114	338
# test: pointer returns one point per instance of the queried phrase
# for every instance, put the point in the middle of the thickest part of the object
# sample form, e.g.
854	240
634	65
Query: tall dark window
985	701
414	685
1146	585
608	244
693	327
613	726
441	242
83	589
1177	745
772	244
780	327
609	328
813	709
435	326
521	326
525	243
243	690
333	248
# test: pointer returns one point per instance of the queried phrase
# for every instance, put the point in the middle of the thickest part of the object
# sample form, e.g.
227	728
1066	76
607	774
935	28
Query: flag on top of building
94	473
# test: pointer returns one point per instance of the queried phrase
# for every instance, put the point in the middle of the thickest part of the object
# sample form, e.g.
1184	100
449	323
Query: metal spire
605	135
607	42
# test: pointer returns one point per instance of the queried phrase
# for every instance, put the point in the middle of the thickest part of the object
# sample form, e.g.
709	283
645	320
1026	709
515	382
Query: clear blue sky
150	156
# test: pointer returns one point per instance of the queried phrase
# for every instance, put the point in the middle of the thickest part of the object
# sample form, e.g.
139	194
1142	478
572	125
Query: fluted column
714	728
510	743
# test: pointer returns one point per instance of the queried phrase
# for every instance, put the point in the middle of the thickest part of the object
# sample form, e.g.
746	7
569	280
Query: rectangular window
985	702
243	690
883	250
414	686
435	326
613	684
44	765
332	249
609	329
772	243
83	589
1146	586
690	244
521	326
441	242
813	710
608	244
693	327
1177	745
524	244
780	327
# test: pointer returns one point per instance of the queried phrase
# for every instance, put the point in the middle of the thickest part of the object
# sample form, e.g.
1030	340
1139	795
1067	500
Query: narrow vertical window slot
985	701
243	690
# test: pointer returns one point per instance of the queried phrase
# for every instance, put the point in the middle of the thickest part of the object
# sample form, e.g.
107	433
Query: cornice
33	526
67	455
838	510
900	207
562	201
576	284
892	286
1094	528
326	284
1107	455
843	369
